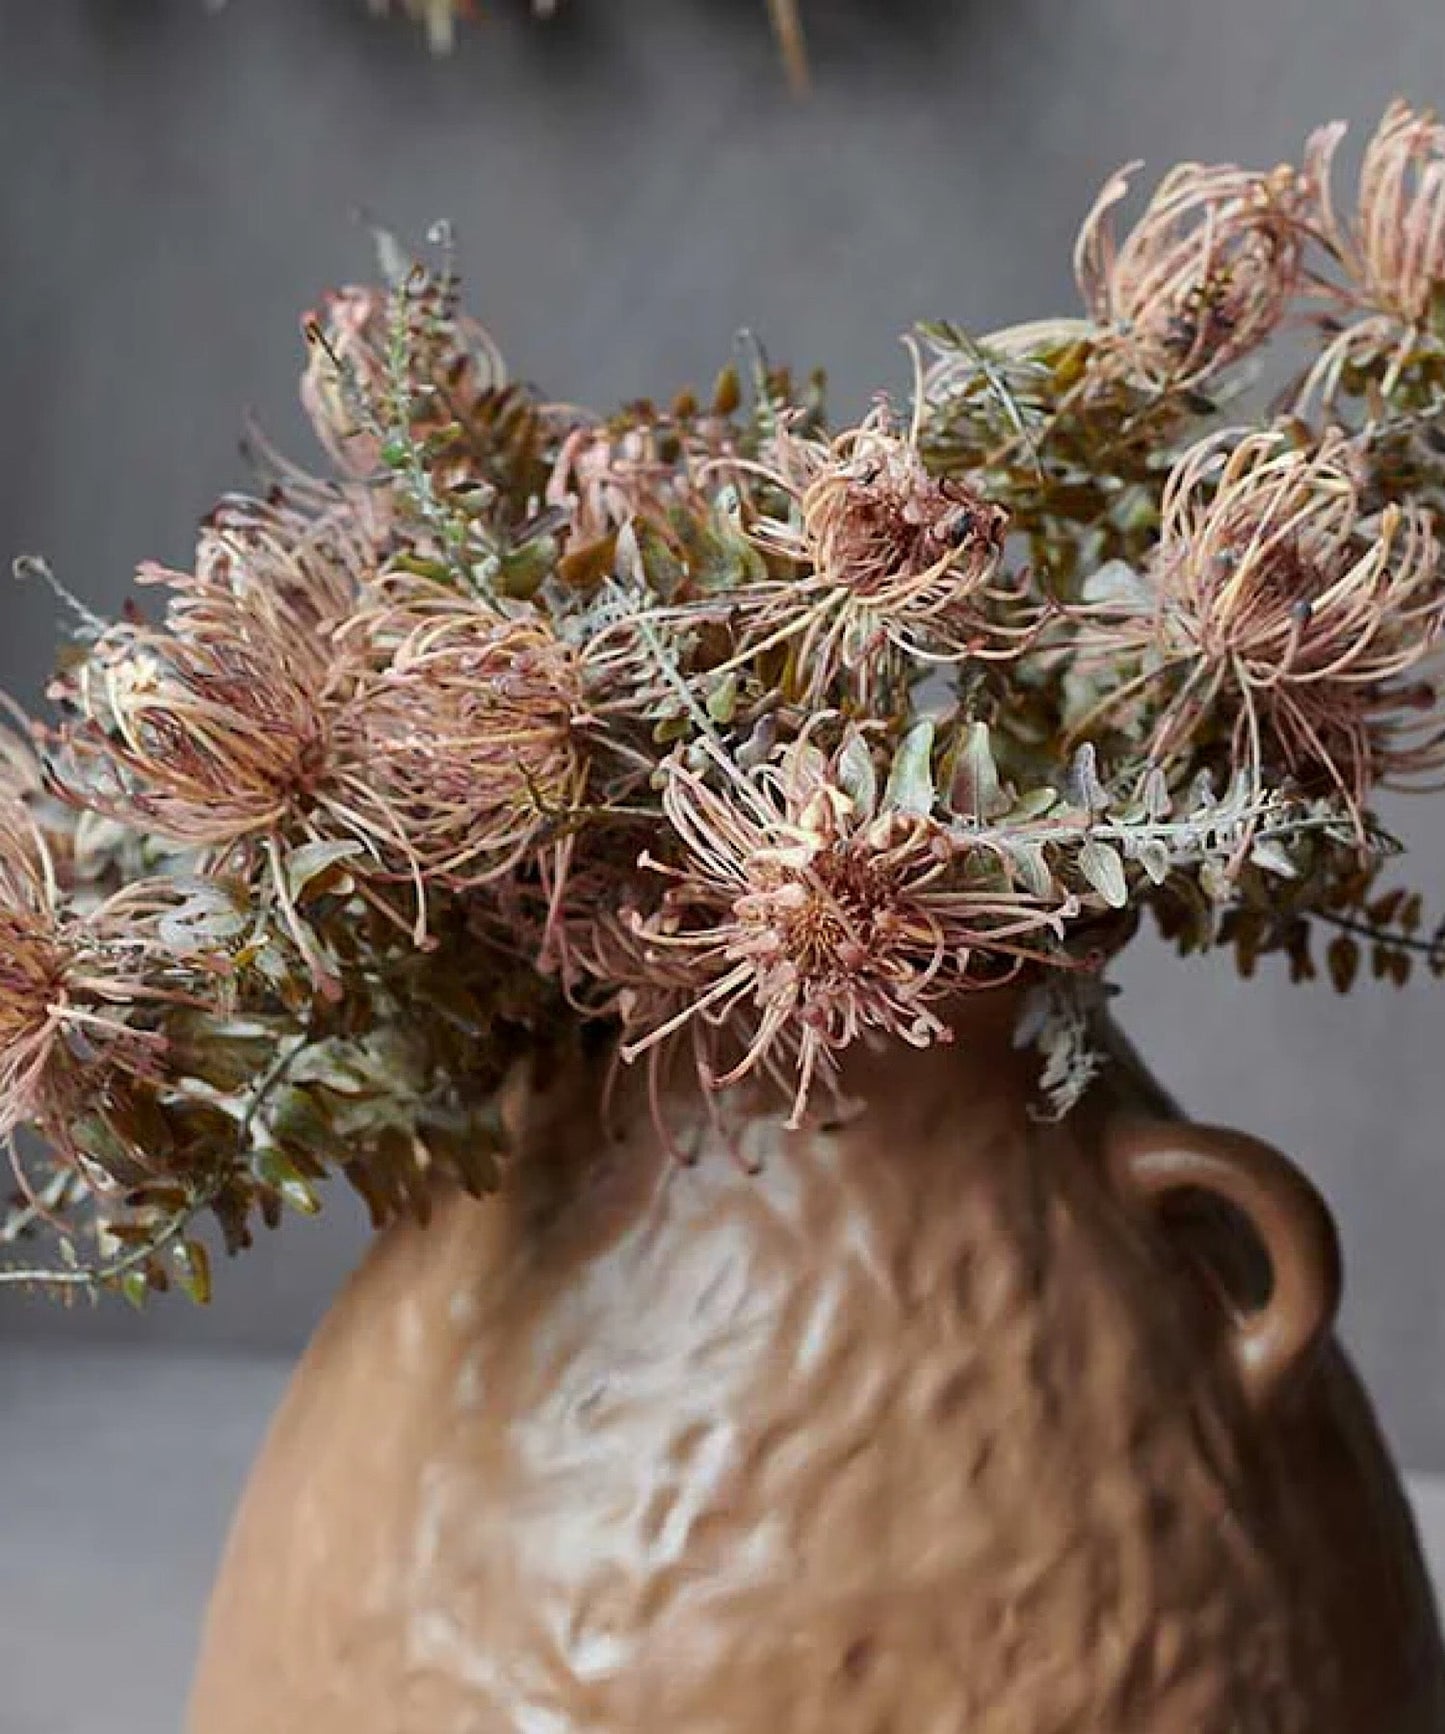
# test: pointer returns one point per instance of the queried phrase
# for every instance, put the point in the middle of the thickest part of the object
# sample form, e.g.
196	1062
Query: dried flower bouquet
721	738
440	17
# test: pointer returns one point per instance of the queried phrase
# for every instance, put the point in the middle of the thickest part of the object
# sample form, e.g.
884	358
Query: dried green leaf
193	1270
1342	960
856	775
1154	795
722	701
1030	867
977	792
278	1171
1103	866
1152	854
312	869
1086	791
910	778
1273	857
586	567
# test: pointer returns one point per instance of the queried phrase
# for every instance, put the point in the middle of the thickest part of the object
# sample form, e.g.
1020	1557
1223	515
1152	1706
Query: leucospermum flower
1202	278
20	770
69	984
1276	594
307	556
803	914
212	729
607	476
1391	249
463	746
33	965
892	562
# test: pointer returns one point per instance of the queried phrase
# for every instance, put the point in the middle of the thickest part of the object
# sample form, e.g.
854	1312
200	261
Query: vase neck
979	1051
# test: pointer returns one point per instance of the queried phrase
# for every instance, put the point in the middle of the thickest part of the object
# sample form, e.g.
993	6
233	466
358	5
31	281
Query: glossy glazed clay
942	1422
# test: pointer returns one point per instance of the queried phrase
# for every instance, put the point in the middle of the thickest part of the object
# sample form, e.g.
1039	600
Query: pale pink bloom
1278	594
797	920
212	729
607	476
33	963
70	986
1392	248
1390	251
461	749
1202	278
891	563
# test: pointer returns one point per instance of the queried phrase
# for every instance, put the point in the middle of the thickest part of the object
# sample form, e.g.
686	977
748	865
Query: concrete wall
631	185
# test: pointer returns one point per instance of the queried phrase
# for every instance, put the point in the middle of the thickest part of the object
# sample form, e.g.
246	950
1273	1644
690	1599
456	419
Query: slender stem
97	1275
1433	948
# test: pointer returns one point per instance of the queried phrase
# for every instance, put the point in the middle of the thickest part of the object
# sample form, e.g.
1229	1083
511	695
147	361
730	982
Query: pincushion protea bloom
1389	255
33	966
1392	249
1275	591
646	467
803	914
1202	278
892	561
463	744
69	986
306	551
212	730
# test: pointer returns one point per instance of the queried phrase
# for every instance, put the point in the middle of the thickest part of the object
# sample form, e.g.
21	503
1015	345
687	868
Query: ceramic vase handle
1150	1161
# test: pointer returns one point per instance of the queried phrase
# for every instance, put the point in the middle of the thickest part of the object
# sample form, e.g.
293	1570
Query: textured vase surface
938	1419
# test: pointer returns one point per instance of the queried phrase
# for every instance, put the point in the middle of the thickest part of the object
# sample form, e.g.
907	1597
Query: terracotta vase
938	1420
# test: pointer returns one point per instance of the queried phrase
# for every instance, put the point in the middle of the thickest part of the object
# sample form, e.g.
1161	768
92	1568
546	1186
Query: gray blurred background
630	185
